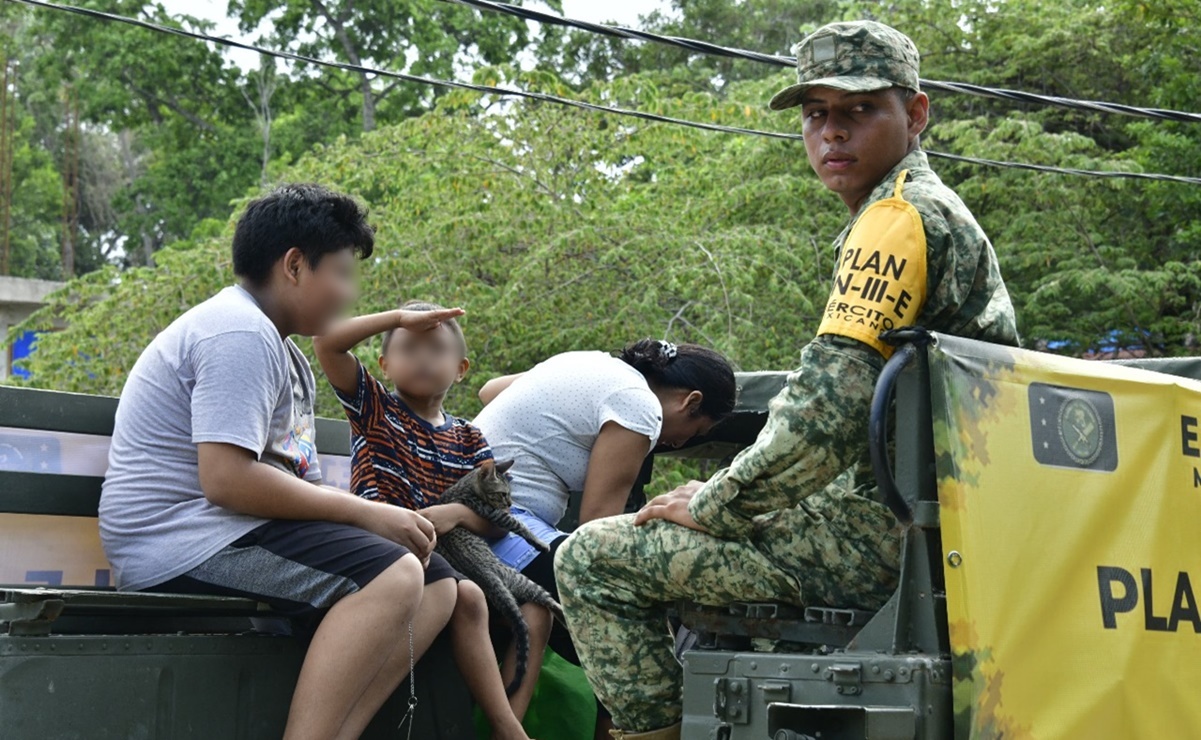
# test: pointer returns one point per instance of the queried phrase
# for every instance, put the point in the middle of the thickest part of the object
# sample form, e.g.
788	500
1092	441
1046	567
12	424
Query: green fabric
563	707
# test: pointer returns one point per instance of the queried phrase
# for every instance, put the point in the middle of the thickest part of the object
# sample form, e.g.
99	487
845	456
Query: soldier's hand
672	507
690	488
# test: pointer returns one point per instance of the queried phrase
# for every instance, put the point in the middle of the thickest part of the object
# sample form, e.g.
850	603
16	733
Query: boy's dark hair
452	324
312	218
687	366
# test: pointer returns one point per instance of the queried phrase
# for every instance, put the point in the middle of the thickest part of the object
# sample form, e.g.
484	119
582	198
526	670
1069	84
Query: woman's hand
419	321
445	517
672	507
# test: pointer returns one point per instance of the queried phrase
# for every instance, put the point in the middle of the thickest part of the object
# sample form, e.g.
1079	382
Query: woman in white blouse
584	422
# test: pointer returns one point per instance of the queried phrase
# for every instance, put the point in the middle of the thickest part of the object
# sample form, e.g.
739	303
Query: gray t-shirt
219	373
548	420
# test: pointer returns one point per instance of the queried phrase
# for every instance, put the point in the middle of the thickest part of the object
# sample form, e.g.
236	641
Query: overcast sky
620	12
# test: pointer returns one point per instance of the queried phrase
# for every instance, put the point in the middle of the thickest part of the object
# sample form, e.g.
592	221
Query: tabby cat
486	491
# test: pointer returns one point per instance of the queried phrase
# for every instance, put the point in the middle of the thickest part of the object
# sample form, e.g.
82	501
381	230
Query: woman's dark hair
451	324
312	218
688	366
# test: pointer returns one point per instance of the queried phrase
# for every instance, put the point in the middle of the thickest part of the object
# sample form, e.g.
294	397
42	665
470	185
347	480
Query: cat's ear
503	466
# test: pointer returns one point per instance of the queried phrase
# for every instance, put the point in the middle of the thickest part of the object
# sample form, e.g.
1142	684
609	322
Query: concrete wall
19	297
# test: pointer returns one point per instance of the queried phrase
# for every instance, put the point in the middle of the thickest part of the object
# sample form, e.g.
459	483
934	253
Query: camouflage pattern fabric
857	56
782	528
817	426
619	576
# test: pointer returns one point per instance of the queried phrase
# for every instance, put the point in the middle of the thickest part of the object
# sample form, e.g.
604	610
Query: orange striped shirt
399	457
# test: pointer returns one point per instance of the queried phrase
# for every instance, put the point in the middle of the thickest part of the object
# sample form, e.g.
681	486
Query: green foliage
556	230
769	26
1081	274
173	131
1092	265
166	138
114	313
424	37
559	229
36	206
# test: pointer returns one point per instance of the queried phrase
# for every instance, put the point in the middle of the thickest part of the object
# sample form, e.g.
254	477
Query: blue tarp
23	347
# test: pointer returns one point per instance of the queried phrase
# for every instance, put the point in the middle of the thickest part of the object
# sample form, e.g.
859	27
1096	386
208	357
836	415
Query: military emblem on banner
1073	427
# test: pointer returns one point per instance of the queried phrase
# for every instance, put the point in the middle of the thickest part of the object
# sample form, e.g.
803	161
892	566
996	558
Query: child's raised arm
334	347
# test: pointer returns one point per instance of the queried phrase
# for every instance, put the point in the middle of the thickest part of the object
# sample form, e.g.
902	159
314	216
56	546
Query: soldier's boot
666	733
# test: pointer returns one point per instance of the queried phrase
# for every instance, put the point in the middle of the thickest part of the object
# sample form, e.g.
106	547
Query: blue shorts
515	551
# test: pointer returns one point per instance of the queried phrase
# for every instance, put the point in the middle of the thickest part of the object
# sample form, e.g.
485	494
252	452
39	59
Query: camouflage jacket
817	425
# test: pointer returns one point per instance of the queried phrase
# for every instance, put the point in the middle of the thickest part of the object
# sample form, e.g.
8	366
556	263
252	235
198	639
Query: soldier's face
854	139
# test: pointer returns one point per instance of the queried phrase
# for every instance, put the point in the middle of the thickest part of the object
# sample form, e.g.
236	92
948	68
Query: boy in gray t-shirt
214	486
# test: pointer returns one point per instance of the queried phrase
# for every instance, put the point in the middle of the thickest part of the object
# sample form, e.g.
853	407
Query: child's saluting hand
419	321
334	347
407	451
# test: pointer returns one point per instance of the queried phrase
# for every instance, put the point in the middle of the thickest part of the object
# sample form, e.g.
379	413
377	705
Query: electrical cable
710	49
579	104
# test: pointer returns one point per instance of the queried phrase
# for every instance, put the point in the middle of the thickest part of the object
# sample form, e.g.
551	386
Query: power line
404	76
704	47
579	104
1112	174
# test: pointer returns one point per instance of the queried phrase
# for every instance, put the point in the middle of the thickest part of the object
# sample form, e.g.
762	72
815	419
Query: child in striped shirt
406	450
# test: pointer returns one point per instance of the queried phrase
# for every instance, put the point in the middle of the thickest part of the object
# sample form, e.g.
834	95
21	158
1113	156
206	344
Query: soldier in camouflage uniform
774	526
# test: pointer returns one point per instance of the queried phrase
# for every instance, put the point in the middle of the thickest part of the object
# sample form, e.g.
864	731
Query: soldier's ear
918	112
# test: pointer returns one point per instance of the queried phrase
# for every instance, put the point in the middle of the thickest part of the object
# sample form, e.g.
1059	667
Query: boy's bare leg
539	620
437	604
477	662
349	648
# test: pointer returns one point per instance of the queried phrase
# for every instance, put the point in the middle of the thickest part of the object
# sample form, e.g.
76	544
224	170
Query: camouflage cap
860	56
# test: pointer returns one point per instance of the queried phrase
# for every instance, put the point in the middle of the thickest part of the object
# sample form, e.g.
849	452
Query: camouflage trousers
615	582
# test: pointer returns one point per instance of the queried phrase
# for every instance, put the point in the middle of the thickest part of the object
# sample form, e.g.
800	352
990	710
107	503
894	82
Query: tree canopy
560	229
166	132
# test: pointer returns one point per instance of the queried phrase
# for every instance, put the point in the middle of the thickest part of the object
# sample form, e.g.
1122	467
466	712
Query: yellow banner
1071	501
